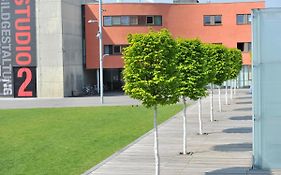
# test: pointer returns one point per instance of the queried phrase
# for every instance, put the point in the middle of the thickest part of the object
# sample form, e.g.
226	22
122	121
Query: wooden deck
226	150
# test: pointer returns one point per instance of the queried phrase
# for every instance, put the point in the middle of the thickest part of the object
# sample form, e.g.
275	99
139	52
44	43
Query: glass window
249	46
107	20
243	19
240	19
244	46
133	20
212	20
240	46
108	49
217	19
207	20
142	20
158	20
149	20
125	20
117	49
249	18
116	20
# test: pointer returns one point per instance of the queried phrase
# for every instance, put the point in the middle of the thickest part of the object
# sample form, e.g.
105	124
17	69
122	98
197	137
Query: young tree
150	75
235	64
221	67
210	56
191	66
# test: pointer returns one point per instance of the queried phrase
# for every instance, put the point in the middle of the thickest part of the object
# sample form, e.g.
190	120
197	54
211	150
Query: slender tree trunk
235	86
184	126
226	95
231	90
156	147
212	104
220	106
199	117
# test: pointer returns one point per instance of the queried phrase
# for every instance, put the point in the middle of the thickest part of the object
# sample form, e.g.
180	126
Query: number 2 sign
25	81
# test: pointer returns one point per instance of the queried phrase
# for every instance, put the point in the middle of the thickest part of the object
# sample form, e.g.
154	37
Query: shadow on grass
246	117
237	147
238	130
238	171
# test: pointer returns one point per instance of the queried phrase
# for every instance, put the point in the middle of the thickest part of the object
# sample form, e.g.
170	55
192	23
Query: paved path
117	100
225	151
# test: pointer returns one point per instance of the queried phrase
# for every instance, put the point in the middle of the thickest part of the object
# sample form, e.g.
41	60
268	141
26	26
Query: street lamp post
99	35
101	53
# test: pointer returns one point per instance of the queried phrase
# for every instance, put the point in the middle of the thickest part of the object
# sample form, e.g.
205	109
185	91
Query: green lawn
69	141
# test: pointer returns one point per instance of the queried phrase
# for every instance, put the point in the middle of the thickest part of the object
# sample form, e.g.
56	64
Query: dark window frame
152	22
212	21
245	21
111	49
245	47
141	20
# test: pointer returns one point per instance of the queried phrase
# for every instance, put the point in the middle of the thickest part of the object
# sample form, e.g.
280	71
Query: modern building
219	23
48	48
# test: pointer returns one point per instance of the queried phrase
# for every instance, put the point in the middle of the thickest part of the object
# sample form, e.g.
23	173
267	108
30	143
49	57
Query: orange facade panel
182	20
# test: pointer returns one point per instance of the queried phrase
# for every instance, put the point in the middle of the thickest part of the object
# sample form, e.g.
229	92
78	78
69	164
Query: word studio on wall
17	48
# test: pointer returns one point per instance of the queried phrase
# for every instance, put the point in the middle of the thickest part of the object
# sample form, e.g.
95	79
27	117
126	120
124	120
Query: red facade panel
182	20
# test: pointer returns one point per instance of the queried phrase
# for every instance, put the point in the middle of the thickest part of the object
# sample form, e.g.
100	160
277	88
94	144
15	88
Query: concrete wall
59	45
49	49
72	46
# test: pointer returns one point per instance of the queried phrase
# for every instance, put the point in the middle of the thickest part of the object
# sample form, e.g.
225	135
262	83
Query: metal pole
101	53
98	81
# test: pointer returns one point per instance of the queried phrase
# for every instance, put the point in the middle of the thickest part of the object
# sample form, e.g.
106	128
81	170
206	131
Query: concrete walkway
226	150
20	103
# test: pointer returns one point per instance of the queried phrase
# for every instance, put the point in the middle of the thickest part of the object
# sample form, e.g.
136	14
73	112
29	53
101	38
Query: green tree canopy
222	65
150	74
192	68
211	58
236	63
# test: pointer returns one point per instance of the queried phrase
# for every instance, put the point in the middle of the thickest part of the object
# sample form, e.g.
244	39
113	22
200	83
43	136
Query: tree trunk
235	86
231	90
199	117
212	104
156	147
220	99
226	95
184	126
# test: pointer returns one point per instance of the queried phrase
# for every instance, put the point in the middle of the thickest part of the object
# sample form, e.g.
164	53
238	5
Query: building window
116	20
244	46
212	20
125	20
142	20
158	20
243	19
149	20
108	49
132	20
107	20
117	50
114	49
